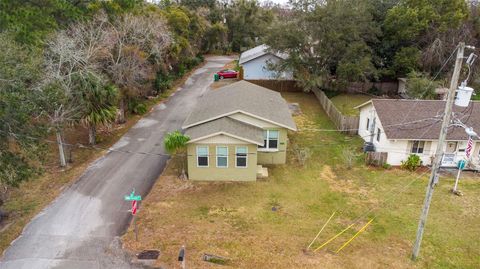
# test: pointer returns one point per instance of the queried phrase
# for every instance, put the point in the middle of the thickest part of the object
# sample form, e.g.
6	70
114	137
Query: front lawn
269	223
346	102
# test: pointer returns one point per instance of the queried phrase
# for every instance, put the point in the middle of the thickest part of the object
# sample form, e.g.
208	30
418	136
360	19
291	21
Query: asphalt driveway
80	229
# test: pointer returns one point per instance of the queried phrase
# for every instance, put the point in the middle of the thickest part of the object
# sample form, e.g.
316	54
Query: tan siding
253	121
232	173
221	139
278	157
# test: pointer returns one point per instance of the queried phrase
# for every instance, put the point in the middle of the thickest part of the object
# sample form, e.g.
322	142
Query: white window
241	157
270	139
368	124
417	147
222	157
379	132
202	156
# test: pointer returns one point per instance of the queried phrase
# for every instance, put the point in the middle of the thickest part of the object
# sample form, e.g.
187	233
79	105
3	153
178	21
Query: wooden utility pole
439	153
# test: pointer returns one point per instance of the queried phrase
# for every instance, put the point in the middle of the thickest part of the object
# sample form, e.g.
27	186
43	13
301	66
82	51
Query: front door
451	147
450	152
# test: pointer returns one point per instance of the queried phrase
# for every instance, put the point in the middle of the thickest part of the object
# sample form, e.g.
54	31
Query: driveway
81	228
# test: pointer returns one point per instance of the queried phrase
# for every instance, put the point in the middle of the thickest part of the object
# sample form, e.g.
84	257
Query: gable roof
256	52
422	118
226	126
243	97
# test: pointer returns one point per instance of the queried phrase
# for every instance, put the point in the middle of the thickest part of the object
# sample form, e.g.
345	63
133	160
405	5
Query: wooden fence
347	124
376	158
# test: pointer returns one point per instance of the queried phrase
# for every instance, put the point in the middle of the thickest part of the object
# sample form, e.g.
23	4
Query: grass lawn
31	197
346	102
236	220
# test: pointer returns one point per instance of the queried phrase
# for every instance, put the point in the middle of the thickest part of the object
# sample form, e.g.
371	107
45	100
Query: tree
135	42
97	101
70	59
434	27
323	45
21	132
175	144
246	22
420	86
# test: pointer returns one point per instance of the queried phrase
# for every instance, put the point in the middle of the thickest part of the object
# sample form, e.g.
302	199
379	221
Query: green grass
346	102
236	220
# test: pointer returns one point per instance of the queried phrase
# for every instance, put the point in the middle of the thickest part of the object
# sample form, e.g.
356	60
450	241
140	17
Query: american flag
468	151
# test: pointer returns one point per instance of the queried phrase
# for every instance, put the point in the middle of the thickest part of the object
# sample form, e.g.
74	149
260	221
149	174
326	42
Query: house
404	127
255	63
234	130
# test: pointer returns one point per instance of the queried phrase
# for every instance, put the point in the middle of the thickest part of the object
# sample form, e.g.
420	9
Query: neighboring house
404	127
234	130
255	63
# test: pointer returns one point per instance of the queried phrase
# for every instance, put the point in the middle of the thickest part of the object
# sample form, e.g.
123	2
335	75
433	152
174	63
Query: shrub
140	109
192	62
374	91
386	166
162	83
348	156
136	107
301	154
412	162
181	69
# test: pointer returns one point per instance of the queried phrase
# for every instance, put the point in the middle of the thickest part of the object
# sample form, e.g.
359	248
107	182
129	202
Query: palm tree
175	144
98	104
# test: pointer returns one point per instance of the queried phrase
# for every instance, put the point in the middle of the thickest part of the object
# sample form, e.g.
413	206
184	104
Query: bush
349	157
301	154
374	91
386	166
181	69
162	83
412	163
136	107
140	109
192	62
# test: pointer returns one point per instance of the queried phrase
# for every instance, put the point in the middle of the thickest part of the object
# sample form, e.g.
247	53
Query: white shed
256	61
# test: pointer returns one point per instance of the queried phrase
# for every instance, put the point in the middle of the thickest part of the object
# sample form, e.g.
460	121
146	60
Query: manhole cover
150	254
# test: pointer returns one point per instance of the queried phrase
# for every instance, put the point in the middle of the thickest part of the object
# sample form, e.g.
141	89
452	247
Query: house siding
277	157
399	150
214	173
258	68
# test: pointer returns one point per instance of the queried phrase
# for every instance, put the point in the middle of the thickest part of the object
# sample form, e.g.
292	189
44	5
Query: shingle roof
426	116
256	52
227	126
243	97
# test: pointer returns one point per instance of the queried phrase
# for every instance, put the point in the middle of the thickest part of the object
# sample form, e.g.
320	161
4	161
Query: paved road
80	228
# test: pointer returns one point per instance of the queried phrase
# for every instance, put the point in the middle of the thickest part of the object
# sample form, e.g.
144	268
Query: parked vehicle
227	73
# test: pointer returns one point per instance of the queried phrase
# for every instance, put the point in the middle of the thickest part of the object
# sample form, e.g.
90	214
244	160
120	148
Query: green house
235	130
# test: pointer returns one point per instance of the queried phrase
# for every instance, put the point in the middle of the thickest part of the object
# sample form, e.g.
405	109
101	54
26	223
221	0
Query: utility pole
439	153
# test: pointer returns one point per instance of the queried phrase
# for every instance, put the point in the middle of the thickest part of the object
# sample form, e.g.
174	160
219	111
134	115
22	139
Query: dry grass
31	197
346	102
236	220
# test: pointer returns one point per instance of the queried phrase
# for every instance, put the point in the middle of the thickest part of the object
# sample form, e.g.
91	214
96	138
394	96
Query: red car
227	73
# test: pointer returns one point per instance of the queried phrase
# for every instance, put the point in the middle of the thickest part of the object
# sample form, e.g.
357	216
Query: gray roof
426	116
242	96
227	126
256	52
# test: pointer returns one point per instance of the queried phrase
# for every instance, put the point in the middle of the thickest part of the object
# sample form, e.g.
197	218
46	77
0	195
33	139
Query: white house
404	127
255	63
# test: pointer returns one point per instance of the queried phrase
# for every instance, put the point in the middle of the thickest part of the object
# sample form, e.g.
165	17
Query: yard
269	223
346	102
